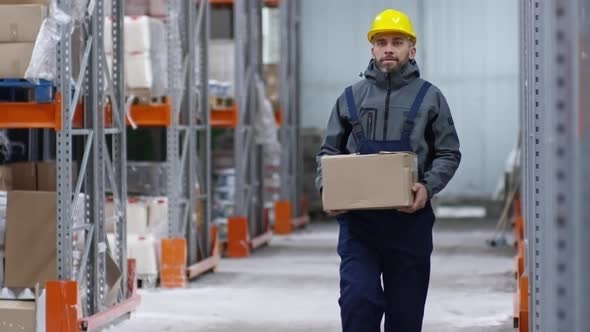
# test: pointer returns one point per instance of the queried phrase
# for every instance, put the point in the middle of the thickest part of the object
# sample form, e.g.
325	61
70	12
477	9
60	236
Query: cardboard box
142	34
374	181
21	23
47	175
39	176
31	235
271	35
15	59
221	60
136	7
113	275
146	71
5	178
24	176
17	316
137	217
159	8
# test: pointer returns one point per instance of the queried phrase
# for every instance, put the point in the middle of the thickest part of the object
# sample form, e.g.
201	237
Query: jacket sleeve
445	153
335	140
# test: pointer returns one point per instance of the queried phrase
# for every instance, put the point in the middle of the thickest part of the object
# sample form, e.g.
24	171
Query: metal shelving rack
100	170
555	47
291	211
248	228
188	146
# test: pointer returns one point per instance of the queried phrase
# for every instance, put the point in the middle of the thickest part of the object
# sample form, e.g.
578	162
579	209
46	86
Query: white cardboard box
145	71
142	34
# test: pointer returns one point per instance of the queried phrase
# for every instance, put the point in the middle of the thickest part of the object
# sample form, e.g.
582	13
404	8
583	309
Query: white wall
468	48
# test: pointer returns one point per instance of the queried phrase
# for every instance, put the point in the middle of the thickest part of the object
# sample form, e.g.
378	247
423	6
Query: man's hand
334	213
420	197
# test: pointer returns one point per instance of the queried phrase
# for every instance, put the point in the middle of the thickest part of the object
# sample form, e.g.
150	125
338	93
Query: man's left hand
420	197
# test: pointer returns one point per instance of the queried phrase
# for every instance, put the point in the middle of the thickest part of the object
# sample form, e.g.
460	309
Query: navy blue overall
384	244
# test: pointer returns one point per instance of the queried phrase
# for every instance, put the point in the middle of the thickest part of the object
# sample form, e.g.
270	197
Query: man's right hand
334	213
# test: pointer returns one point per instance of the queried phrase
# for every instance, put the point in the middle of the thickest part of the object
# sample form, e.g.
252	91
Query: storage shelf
152	115
227	117
147	115
29	115
224	117
267	3
279	117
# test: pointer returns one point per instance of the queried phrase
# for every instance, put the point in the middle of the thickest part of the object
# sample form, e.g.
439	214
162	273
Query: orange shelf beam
152	115
227	117
224	117
279	117
267	3
23	115
146	115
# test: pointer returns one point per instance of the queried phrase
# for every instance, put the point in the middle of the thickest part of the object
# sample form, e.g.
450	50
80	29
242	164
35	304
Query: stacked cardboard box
221	72
146	56
146	224
19	26
30	235
30	251
157	8
271	34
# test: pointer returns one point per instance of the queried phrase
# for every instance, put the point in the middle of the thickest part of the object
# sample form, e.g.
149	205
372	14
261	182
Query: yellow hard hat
391	20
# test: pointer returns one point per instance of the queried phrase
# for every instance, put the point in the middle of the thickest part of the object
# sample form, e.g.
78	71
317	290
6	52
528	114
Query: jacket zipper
370	124
386	118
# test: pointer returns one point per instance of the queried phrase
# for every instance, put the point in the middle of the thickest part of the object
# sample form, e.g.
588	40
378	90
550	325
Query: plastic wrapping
43	63
266	128
3	200
267	135
79	8
79	234
5	145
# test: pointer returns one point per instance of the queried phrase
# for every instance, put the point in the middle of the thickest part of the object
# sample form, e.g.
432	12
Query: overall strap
357	129
409	123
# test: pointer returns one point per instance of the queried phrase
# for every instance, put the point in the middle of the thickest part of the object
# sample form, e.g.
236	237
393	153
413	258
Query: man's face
392	51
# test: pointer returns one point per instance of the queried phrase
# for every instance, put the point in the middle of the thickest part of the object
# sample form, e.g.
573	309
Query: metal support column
188	137
247	27
116	165
96	167
176	87
535	216
203	126
189	115
95	181
64	153
580	263
291	157
555	59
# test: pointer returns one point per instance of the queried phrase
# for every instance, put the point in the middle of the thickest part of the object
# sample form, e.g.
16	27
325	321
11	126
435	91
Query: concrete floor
292	285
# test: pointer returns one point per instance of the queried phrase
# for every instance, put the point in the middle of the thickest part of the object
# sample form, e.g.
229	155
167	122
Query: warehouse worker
391	109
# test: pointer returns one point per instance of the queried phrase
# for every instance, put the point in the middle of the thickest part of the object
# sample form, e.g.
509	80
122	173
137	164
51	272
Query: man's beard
391	67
